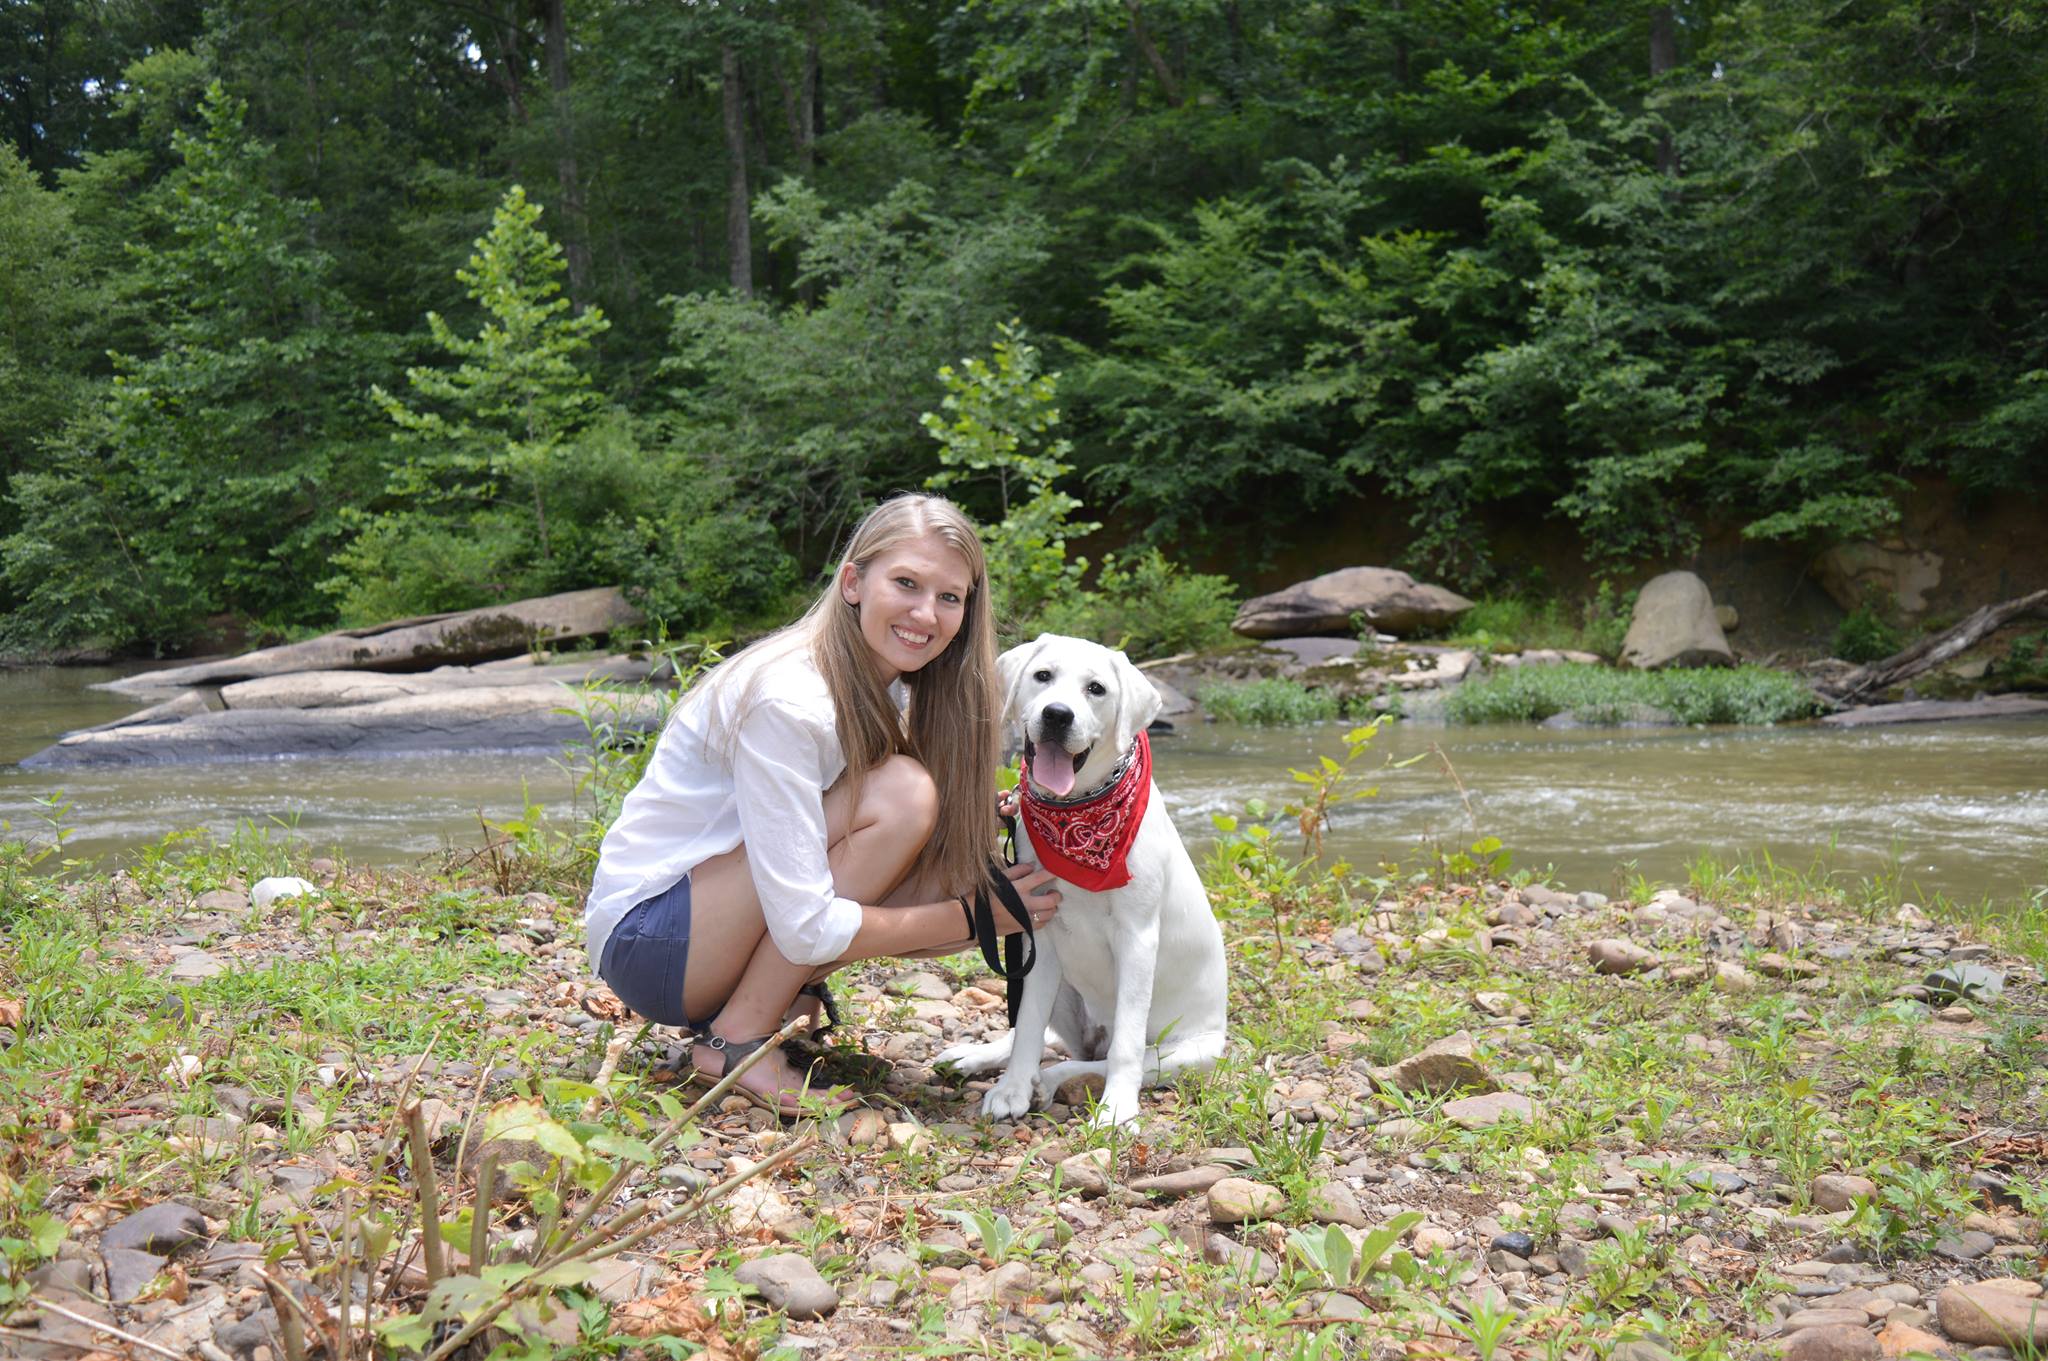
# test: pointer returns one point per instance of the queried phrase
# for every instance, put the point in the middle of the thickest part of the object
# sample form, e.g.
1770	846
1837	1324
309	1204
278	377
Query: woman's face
912	599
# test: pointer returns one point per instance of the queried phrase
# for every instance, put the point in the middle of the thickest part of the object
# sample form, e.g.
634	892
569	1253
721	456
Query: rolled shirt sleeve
780	770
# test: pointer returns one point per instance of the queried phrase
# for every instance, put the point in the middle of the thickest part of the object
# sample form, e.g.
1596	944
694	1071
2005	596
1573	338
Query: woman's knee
901	792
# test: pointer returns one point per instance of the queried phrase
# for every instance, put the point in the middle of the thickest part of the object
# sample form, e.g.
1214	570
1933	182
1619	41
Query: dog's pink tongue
1052	768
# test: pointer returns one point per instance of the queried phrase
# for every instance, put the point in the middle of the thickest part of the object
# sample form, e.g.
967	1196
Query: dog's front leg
1012	1095
1136	943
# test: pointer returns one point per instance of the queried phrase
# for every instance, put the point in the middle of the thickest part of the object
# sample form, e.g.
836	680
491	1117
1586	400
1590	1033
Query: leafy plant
1272	702
1865	635
1148	606
29	1234
1339	1264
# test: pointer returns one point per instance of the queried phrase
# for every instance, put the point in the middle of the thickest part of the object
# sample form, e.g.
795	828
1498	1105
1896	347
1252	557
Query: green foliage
489	444
2025	663
1147	606
1598	694
208	472
997	412
1865	635
1513	623
1272	702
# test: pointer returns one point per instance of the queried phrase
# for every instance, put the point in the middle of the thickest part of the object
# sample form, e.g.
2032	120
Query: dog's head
1080	706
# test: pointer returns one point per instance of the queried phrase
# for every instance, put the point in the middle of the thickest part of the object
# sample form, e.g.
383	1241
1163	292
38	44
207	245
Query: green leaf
621	1147
526	1119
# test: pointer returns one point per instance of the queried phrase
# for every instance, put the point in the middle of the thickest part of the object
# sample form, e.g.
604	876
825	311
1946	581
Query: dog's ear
1010	670
1138	701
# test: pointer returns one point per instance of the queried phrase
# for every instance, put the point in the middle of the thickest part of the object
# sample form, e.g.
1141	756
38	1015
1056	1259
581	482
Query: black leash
1019	949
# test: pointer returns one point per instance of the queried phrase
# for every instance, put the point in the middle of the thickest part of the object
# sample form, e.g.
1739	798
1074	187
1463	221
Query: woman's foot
774	1083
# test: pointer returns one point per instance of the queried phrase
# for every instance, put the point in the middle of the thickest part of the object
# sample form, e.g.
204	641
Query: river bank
1724	1121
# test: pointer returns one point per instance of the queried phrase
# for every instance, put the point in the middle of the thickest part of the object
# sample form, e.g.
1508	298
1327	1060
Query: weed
1273	702
1751	695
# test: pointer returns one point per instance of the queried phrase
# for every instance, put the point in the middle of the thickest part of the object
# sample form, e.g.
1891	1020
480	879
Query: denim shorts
645	958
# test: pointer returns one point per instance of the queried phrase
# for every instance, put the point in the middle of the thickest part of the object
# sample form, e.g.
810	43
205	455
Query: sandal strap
823	992
731	1053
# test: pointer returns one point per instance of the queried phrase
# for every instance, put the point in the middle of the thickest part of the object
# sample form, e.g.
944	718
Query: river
1960	808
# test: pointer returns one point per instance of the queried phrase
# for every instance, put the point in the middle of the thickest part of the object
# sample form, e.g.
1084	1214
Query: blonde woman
795	816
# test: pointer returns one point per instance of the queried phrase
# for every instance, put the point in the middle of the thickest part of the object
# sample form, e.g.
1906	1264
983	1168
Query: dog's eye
1096	688
1041	676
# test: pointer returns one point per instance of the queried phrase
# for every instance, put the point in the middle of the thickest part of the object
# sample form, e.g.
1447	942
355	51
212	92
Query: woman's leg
735	971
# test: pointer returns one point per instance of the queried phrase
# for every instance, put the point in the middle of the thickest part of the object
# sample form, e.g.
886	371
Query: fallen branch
107	1328
1933	650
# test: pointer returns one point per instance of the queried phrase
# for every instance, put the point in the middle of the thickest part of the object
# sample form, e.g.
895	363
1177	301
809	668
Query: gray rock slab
128	1271
164	1227
1390	600
1939	711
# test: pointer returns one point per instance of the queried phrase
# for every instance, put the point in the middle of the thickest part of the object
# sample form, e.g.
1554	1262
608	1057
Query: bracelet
969	911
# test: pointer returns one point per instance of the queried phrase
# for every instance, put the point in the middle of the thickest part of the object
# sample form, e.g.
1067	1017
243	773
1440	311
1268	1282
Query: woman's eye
906	583
1096	688
949	597
1041	676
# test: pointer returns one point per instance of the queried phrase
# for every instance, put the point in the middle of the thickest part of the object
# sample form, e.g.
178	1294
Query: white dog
1130	974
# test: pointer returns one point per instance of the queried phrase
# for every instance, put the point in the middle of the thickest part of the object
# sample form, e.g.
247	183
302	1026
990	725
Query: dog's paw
972	1060
1114	1109
1007	1099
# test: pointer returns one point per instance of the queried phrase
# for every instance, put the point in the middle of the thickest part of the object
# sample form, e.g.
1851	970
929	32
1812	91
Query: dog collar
1086	841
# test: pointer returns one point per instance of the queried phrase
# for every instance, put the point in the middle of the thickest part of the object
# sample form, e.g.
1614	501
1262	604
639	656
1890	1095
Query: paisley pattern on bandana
1087	843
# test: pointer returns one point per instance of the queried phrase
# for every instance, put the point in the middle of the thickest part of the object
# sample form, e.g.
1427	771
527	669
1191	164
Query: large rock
1855	574
537	717
1674	625
1391	601
418	644
1997	1313
336	689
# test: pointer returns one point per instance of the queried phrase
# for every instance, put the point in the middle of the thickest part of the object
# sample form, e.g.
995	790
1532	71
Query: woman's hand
1007	803
1039	890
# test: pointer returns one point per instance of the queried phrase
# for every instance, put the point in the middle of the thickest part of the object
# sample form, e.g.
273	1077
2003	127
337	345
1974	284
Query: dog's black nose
1054	719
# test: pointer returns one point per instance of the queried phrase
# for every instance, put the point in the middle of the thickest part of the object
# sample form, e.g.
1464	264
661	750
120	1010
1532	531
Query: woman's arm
934	930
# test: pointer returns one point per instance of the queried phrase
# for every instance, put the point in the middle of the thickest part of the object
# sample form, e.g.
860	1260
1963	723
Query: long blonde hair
953	727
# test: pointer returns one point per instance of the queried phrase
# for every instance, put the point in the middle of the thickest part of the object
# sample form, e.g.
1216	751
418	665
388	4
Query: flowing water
1955	808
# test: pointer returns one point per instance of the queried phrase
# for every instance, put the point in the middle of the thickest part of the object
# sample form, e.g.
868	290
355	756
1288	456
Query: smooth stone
1825	1318
1640	1349
1965	983
1334	1203
1903	1339
1483	1112
1998	1313
1087	1171
1613	955
789	1282
1834	1191
164	1227
1965	1247
1516	1242
1833	1342
194	965
1222	1250
264	892
919	984
1236	1200
1187	1182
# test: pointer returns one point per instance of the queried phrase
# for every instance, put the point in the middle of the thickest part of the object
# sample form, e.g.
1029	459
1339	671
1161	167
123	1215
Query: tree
485	442
207	475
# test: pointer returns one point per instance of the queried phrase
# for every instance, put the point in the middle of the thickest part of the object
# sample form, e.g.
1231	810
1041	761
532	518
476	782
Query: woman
794	817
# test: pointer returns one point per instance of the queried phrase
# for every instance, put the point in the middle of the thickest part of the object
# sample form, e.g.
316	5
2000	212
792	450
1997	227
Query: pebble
1835	1191
1450	1064
1235	1200
1335	1203
1967	1246
1614	955
1484	1112
789	1282
1186	1182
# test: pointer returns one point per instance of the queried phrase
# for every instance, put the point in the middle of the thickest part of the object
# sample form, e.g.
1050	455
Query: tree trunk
1932	651
739	234
1168	86
1663	56
575	228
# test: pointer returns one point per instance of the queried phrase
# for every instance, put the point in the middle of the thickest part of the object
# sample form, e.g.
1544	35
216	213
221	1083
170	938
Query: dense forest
346	311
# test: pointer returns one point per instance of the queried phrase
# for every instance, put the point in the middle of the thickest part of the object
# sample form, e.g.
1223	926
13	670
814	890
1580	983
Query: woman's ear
849	584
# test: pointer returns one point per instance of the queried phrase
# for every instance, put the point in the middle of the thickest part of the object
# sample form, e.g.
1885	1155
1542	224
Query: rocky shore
1690	1124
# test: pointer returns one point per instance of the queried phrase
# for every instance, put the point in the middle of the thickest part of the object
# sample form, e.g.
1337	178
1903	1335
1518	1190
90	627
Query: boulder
332	689
1854	574
417	644
1674	625
535	717
1389	600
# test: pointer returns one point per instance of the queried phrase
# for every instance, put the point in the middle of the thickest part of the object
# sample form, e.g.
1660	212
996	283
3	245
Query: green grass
1270	703
1597	694
1517	623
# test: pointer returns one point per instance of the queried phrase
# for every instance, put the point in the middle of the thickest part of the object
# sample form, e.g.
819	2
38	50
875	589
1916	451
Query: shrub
1866	636
1516	623
1150	608
1751	695
1267	703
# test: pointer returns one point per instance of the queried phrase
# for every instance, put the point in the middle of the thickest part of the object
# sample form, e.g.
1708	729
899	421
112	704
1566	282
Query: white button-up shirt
709	787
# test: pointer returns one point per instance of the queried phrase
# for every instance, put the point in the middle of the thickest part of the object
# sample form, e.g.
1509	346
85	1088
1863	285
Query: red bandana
1086	843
